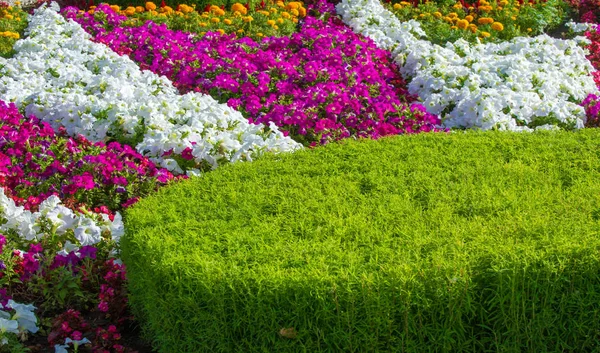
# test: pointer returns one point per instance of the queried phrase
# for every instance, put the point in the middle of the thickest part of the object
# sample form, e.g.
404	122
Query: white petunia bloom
7	325
87	231
67	80
24	315
61	217
517	85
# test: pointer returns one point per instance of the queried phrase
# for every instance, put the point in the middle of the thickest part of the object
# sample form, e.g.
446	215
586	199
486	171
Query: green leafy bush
465	242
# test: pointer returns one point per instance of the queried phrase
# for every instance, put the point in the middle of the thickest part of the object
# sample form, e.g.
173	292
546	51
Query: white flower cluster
67	80
28	225
579	27
21	321
515	85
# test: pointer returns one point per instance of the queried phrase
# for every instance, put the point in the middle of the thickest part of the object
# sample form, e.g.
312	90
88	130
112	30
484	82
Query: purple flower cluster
36	162
321	84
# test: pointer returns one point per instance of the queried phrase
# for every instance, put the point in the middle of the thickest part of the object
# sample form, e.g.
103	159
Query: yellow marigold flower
295	20
270	22
457	6
397	6
280	21
186	9
499	8
130	11
453	27
302	12
422	15
275	27
448	19
240	31
213	8
215	20
486	8
259	34
8	16
497	26
404	3
473	28
437	14
92	7
528	29
115	8
150	6
294	12
285	14
139	9
452	15
263	12
220	30
280	4
227	21
202	24
273	10
485	34
248	19
154	13
202	33
469	18
91	12
462	24
503	3
219	12
239	7
514	18
166	9
485	20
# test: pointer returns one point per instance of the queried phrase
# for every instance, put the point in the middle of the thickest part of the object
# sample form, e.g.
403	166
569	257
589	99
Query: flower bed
482	20
12	24
277	20
90	90
522	84
321	84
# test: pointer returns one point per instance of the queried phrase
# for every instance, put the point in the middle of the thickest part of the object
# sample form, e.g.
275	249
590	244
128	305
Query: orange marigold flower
150	6
239	7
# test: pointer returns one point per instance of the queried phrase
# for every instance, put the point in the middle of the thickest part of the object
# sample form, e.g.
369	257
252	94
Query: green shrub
466	242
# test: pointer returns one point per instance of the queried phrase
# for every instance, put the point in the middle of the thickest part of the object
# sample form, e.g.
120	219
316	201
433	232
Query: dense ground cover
439	242
244	80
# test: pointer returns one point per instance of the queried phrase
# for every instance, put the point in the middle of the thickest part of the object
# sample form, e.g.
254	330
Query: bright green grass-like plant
465	242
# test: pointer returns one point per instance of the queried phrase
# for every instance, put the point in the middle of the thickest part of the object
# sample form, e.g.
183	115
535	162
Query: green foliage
463	242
